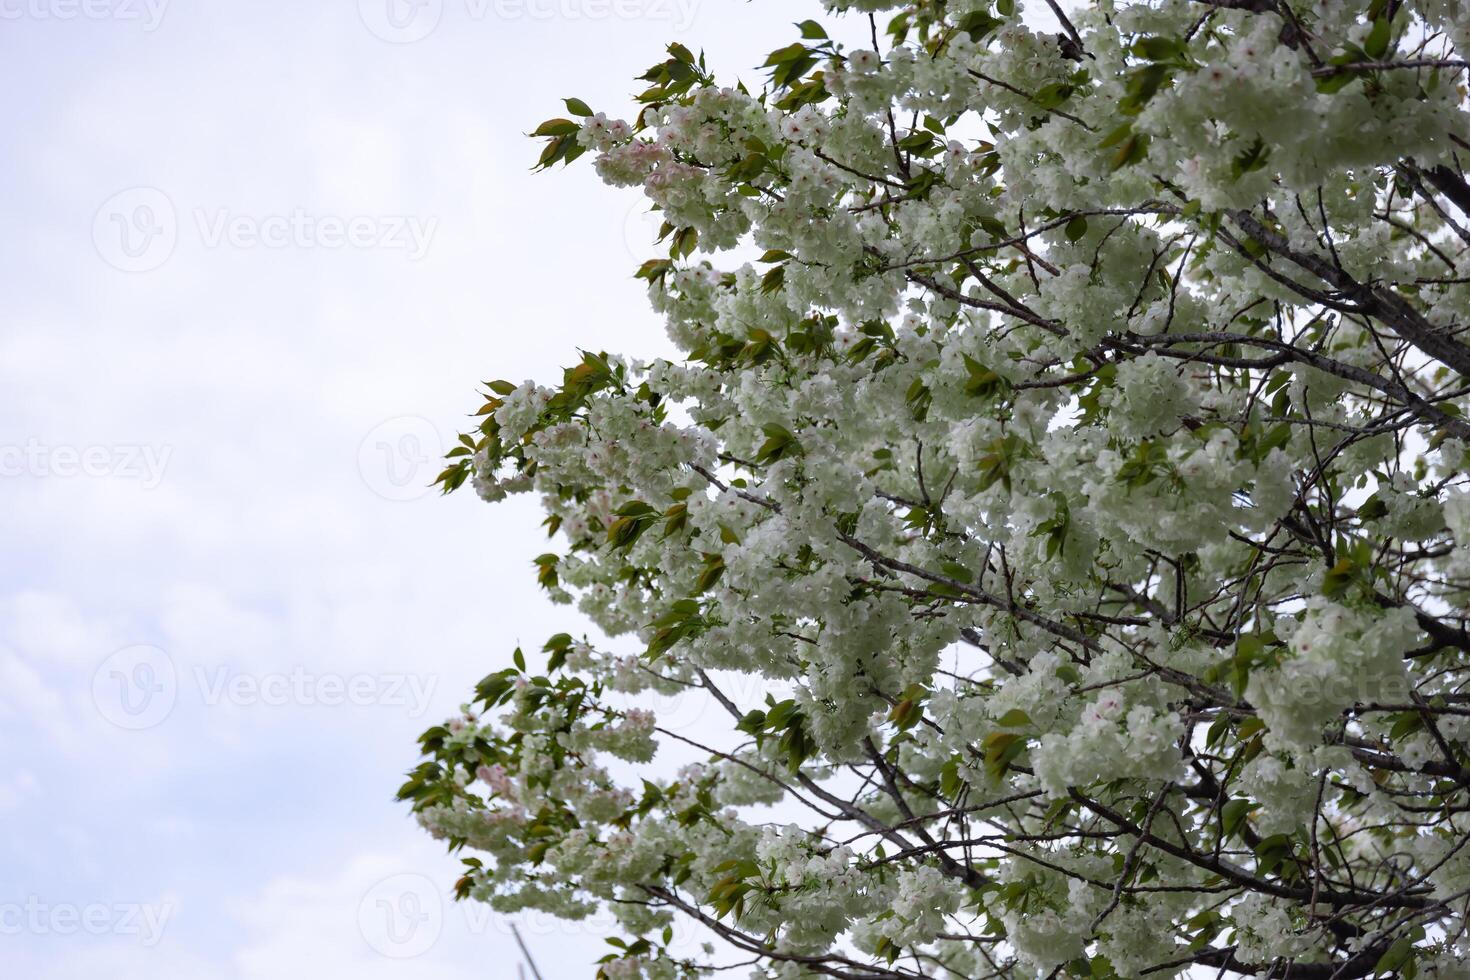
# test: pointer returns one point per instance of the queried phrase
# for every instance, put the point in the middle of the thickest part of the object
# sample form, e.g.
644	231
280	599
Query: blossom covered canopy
1081	465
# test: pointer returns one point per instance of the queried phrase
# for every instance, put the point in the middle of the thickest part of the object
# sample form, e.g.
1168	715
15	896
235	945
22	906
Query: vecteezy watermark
398	459
41	918
401	21
145	464
407	21
147	12
137	230
221	685
401	916
302	229
138	687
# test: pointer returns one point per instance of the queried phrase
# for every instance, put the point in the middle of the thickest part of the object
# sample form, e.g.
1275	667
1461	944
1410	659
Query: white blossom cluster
1085	459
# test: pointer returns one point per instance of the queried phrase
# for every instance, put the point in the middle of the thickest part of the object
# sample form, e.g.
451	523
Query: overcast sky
256	257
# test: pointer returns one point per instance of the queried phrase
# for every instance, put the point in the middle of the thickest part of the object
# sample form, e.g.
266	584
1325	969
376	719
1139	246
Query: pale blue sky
195	452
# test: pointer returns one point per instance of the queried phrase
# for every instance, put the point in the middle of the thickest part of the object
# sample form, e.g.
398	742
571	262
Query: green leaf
714	567
950	782
1133	149
1251	158
1372	509
1336	82
1339	577
774	279
1052	95
978	23
556	127
919	398
1159	48
995	465
628	528
577	107
983	382
906	714
1392	962
958	572
676	519
788	64
654	270
1143	83
1001	749
779	444
916	142
558	646
1233	815
1377	43
1116	136
1272	852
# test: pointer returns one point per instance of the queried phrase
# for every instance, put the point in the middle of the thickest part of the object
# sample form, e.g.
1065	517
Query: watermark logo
407	21
146	464
641	229
401	916
41	918
400	457
148	13
136	687
301	229
222	685
136	230
401	21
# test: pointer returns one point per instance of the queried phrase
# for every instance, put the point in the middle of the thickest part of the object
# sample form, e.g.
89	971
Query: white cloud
16	788
264	548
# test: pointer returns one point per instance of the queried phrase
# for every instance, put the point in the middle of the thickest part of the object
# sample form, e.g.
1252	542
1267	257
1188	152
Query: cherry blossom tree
1068	432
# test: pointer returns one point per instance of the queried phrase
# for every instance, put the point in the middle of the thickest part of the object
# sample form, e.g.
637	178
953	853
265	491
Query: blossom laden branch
1051	557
